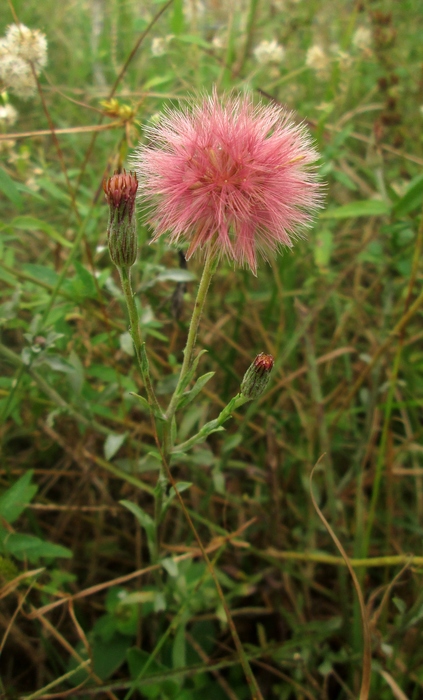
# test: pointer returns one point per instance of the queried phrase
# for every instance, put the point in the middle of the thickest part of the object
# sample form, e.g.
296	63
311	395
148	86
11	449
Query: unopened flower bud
121	190
257	376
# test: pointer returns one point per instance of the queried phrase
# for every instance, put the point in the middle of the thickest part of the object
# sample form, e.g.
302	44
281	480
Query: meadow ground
105	591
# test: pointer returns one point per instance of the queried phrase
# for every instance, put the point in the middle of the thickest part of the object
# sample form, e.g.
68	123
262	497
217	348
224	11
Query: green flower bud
257	376
120	191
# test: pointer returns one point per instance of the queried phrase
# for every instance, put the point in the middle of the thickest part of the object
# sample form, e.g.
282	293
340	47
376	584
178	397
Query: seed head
362	38
8	115
29	44
120	191
22	50
257	376
318	60
269	52
230	175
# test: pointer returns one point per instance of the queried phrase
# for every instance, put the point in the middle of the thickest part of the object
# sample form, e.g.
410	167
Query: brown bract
121	188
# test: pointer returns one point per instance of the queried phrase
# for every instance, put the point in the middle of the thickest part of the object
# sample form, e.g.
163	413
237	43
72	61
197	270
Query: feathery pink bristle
231	174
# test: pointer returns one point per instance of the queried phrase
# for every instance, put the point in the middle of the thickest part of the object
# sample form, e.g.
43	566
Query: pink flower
229	174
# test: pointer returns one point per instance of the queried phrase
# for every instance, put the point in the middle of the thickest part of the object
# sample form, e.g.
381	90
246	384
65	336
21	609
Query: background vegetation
341	314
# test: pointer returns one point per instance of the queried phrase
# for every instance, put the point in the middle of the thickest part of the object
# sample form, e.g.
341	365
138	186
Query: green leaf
171	566
146	406
193	39
41	273
107	657
112	444
137	660
33	548
144	520
179	646
55	362
190	395
14	501
126	343
30	223
323	248
144	403
158	80
364	207
83	284
189	375
180	488
412	199
54	191
343	178
177	21
9	189
175	275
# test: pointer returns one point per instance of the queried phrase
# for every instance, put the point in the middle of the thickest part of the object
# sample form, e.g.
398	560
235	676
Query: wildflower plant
230	179
231	182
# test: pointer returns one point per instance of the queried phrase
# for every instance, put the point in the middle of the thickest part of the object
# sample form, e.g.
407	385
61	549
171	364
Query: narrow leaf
175	275
144	403
189	375
180	488
30	223
412	199
190	395
9	189
146	522
112	444
14	501
33	548
367	649
364	207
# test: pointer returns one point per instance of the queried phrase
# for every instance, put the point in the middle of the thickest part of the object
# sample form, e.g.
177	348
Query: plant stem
155	409
206	430
243	658
391	392
140	353
75	248
208	271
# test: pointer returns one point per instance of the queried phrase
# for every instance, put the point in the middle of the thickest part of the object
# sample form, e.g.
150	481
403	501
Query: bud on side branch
257	376
120	191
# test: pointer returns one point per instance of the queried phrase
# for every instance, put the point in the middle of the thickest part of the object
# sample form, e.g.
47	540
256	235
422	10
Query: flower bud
121	190
257	376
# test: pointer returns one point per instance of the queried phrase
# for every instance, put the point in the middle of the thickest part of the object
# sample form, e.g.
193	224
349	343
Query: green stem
243	658
391	393
382	454
212	426
140	353
317	396
170	629
14	388
208	271
155	409
69	260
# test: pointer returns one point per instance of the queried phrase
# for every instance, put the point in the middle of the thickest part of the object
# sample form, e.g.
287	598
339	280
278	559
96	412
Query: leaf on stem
190	395
189	375
145	520
180	488
112	444
146	406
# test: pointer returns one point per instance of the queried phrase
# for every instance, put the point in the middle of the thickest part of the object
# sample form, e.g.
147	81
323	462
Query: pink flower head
229	174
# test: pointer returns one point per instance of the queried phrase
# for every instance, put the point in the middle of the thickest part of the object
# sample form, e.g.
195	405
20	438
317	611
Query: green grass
341	314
